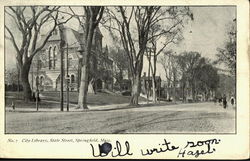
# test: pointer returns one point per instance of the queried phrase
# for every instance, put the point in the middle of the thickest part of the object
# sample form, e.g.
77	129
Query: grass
32	105
92	99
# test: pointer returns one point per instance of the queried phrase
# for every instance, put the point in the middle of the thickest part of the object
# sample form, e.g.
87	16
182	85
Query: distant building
45	69
146	82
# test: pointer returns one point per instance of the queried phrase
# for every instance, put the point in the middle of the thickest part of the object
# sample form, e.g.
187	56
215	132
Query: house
146	82
45	69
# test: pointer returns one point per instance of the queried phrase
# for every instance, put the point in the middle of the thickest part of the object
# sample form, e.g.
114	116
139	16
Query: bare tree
93	16
121	18
169	63
134	25
29	21
88	22
188	63
11	76
120	64
227	54
168	30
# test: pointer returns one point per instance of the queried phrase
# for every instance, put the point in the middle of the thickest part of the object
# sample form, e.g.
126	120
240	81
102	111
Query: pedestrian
38	96
215	100
224	101
33	96
232	101
220	100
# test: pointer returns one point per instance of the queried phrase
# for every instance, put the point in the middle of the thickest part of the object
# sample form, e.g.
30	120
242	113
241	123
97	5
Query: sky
204	34
208	30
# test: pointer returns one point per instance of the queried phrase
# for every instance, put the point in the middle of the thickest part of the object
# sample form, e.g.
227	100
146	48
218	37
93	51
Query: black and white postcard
124	80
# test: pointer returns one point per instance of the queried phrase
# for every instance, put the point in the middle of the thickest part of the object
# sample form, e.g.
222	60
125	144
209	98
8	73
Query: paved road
181	118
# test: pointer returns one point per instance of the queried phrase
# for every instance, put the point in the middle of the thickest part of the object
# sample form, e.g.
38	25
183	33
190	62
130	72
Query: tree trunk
154	90
183	93
119	80
168	93
193	92
83	91
136	89
174	94
27	93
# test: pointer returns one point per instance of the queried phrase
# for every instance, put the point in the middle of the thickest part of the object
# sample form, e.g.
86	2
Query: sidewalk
72	107
143	104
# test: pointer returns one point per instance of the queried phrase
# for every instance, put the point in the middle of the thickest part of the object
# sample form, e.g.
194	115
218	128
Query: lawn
19	103
93	99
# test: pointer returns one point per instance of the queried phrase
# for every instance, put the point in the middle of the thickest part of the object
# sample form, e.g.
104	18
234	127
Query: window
49	57
70	58
39	65
54	57
41	80
37	81
54	32
72	78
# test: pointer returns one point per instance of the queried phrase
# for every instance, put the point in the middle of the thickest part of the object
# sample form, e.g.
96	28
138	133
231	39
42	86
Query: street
180	118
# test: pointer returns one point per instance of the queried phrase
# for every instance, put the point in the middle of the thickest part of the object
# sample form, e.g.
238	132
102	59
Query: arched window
70	58
54	32
39	65
37	81
41	80
50	57
72	78
54	57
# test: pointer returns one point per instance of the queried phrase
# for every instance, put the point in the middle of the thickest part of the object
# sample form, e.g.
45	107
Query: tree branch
165	31
47	37
13	40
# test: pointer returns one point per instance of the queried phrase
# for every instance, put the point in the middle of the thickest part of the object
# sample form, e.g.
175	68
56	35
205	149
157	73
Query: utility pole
32	79
68	78
62	43
61	82
149	64
80	50
37	84
18	81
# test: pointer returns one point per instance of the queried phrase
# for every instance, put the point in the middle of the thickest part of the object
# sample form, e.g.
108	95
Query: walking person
215	100
232	101
224	101
220	100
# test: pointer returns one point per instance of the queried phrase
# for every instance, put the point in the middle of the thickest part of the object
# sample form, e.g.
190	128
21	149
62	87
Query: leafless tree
169	63
188	63
134	25
227	54
93	16
29	21
120	61
167	30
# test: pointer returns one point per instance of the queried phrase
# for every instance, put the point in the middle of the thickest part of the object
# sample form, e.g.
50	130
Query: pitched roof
71	37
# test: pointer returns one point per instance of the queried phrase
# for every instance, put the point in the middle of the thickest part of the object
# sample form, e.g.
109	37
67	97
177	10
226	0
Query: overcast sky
204	34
